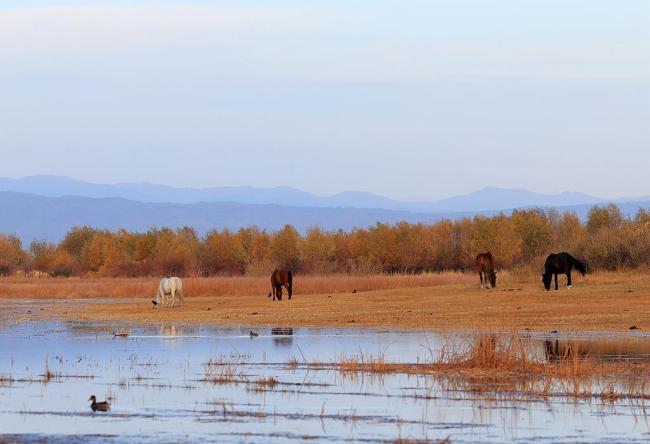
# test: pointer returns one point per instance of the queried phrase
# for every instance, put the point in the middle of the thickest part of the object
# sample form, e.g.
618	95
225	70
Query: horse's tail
580	266
272	292
290	282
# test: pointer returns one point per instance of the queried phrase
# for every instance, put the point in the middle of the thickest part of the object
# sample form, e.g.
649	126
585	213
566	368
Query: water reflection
170	330
282	341
174	382
606	350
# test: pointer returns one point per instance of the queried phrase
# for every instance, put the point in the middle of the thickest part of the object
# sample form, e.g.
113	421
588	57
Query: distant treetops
607	240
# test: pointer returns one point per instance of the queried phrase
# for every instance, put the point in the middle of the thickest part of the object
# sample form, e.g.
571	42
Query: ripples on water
206	383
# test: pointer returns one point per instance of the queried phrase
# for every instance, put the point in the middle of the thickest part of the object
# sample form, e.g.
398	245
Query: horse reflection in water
557	350
170	331
282	341
561	350
282	336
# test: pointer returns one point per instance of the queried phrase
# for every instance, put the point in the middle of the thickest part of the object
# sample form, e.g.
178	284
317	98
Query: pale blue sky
410	99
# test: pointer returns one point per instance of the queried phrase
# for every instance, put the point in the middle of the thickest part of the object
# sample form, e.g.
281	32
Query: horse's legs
568	279
278	290
173	295
556	281
288	291
480	276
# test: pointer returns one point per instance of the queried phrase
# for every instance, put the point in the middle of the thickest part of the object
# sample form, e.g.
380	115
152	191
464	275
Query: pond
222	384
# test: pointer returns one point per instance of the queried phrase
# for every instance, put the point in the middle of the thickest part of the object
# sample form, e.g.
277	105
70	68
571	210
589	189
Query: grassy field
601	301
20	287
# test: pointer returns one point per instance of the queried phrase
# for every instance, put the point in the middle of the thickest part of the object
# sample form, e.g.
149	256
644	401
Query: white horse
167	288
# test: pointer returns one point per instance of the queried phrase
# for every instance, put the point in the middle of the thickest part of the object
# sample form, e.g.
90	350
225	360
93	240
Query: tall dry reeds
498	356
509	367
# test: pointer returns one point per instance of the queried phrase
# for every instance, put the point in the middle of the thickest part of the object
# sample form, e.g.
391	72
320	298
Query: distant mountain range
46	207
37	217
484	200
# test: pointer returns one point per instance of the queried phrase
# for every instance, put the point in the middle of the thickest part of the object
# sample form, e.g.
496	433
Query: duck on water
101	406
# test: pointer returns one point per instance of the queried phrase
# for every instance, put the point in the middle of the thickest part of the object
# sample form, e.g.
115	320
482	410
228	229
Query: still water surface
162	388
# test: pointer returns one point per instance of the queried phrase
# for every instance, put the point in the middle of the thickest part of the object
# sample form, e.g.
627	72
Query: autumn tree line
608	240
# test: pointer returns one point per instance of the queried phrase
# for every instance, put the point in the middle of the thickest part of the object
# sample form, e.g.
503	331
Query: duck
101	406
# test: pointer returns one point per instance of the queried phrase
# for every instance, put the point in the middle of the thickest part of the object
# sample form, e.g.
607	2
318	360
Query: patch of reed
508	363
222	372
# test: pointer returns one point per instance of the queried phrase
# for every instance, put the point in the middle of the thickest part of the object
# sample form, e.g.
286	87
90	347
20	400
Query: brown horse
485	268
281	278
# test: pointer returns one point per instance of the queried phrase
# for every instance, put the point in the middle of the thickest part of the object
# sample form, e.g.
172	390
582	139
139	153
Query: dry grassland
601	301
75	287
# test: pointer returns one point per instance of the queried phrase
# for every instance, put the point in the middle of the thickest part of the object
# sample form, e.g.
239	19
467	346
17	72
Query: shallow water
160	388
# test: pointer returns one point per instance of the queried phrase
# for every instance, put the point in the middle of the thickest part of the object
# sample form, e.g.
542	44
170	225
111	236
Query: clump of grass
269	382
48	375
508	363
263	385
6	379
292	363
490	352
497	355
222	372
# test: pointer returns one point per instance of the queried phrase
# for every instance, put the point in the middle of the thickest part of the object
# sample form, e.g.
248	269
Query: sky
421	99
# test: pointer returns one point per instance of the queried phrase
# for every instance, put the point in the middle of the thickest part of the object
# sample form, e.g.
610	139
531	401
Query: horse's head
546	279
493	279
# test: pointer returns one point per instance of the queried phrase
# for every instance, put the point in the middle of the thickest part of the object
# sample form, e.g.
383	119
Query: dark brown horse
279	279
485	268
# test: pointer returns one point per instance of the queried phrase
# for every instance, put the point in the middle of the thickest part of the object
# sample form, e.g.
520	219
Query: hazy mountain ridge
38	217
486	199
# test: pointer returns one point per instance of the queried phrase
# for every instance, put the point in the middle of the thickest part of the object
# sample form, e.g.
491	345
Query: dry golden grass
603	301
75	287
503	355
507	363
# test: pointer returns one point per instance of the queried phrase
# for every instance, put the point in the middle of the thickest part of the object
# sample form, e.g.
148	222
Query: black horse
557	263
281	278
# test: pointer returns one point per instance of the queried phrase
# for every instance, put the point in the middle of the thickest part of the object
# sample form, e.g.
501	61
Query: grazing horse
560	263
168	288
485	268
281	278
